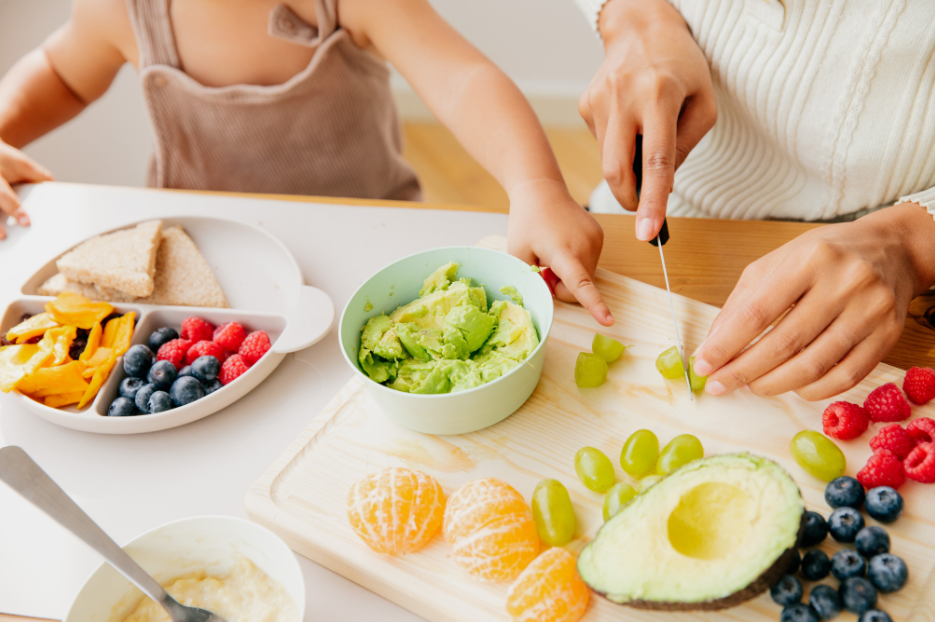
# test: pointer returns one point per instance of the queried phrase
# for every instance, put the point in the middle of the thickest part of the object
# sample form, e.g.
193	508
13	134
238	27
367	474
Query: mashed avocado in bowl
448	339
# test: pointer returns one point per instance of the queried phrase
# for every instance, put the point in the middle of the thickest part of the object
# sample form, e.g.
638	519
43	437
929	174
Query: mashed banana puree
247	594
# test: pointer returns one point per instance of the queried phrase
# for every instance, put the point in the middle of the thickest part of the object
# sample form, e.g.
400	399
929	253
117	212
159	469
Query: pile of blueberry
153	386
864	571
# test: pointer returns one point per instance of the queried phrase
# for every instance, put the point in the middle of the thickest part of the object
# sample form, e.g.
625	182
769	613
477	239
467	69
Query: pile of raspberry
230	343
898	452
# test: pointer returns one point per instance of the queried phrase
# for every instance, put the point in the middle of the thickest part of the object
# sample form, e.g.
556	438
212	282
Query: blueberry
186	371
816	530
846	564
825	601
162	374
787	592
844	523
857	594
122	407
872	541
137	361
186	390
159	402
845	492
211	387
206	368
161	336
798	612
815	565
129	386
884	504
794	562
874	615
142	397
888	573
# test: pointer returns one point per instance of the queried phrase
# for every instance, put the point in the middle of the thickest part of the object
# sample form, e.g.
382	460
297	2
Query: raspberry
920	463
882	469
229	336
895	438
253	347
919	385
921	430
205	348
232	369
886	403
196	329
174	352
845	421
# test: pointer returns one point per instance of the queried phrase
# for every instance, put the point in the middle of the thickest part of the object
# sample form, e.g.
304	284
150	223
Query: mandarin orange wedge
491	530
549	590
396	510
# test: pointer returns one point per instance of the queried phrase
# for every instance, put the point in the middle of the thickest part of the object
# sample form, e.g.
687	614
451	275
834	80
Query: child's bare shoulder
107	21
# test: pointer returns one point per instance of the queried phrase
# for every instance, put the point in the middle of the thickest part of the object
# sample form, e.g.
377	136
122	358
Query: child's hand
16	167
548	228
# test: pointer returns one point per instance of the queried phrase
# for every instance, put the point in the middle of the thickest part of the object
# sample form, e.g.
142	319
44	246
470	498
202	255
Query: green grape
818	455
639	453
648	482
590	370
594	469
696	381
607	348
552	511
669	364
615	498
680	451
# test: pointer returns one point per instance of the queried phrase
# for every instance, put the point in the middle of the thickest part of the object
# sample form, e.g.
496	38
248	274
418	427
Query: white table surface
130	484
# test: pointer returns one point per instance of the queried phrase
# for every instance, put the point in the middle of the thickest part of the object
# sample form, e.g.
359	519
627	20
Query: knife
660	241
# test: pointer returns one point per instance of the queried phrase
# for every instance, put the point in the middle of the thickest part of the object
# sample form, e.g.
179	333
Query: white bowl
264	287
465	411
210	543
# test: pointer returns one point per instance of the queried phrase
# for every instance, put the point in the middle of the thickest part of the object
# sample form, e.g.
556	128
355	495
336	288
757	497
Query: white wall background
545	46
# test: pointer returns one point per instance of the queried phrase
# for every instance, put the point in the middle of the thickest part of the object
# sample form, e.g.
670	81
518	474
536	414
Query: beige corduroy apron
330	130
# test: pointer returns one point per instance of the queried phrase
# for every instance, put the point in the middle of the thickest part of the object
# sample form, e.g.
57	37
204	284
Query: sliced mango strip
54	381
33	327
66	399
97	381
94	341
102	357
76	310
13	360
62	339
118	332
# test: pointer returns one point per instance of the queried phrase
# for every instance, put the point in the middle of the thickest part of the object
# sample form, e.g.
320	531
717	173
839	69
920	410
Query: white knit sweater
825	107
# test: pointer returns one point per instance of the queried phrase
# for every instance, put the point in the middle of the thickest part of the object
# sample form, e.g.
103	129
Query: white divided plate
265	290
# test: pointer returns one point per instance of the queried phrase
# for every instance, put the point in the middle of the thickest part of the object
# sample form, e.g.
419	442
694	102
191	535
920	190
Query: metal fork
24	476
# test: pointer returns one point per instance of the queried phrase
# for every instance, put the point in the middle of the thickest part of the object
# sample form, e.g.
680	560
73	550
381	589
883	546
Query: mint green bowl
465	411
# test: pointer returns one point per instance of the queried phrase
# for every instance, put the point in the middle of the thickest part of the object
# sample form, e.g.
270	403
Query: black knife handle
638	171
663	236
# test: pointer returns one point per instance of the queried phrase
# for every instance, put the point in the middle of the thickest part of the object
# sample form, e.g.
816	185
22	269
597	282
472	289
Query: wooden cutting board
302	495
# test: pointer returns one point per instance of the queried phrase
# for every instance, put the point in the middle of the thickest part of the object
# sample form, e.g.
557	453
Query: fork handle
24	476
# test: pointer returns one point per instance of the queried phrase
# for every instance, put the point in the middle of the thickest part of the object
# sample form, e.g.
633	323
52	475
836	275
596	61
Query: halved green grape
615	498
607	348
696	381
669	364
648	482
553	513
818	455
594	469
639	453
678	452
590	370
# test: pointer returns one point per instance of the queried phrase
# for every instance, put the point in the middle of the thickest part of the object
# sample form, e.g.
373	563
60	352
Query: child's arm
50	86
492	119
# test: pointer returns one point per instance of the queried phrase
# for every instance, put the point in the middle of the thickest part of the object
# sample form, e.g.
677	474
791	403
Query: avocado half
710	535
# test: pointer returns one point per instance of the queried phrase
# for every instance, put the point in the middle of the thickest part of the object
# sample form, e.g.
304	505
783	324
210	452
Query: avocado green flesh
702	538
447	340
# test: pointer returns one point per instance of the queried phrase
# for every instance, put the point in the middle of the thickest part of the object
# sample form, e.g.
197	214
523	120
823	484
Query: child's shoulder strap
152	27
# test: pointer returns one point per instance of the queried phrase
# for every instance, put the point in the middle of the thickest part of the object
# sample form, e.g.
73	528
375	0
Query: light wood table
705	259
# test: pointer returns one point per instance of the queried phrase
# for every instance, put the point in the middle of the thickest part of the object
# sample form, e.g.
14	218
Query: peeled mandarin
396	510
549	590
491	530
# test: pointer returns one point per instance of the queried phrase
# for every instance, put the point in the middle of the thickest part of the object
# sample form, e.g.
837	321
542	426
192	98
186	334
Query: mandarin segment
491	530
549	590
396	510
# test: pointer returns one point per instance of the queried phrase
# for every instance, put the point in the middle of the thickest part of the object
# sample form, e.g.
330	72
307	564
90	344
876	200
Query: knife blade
659	242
